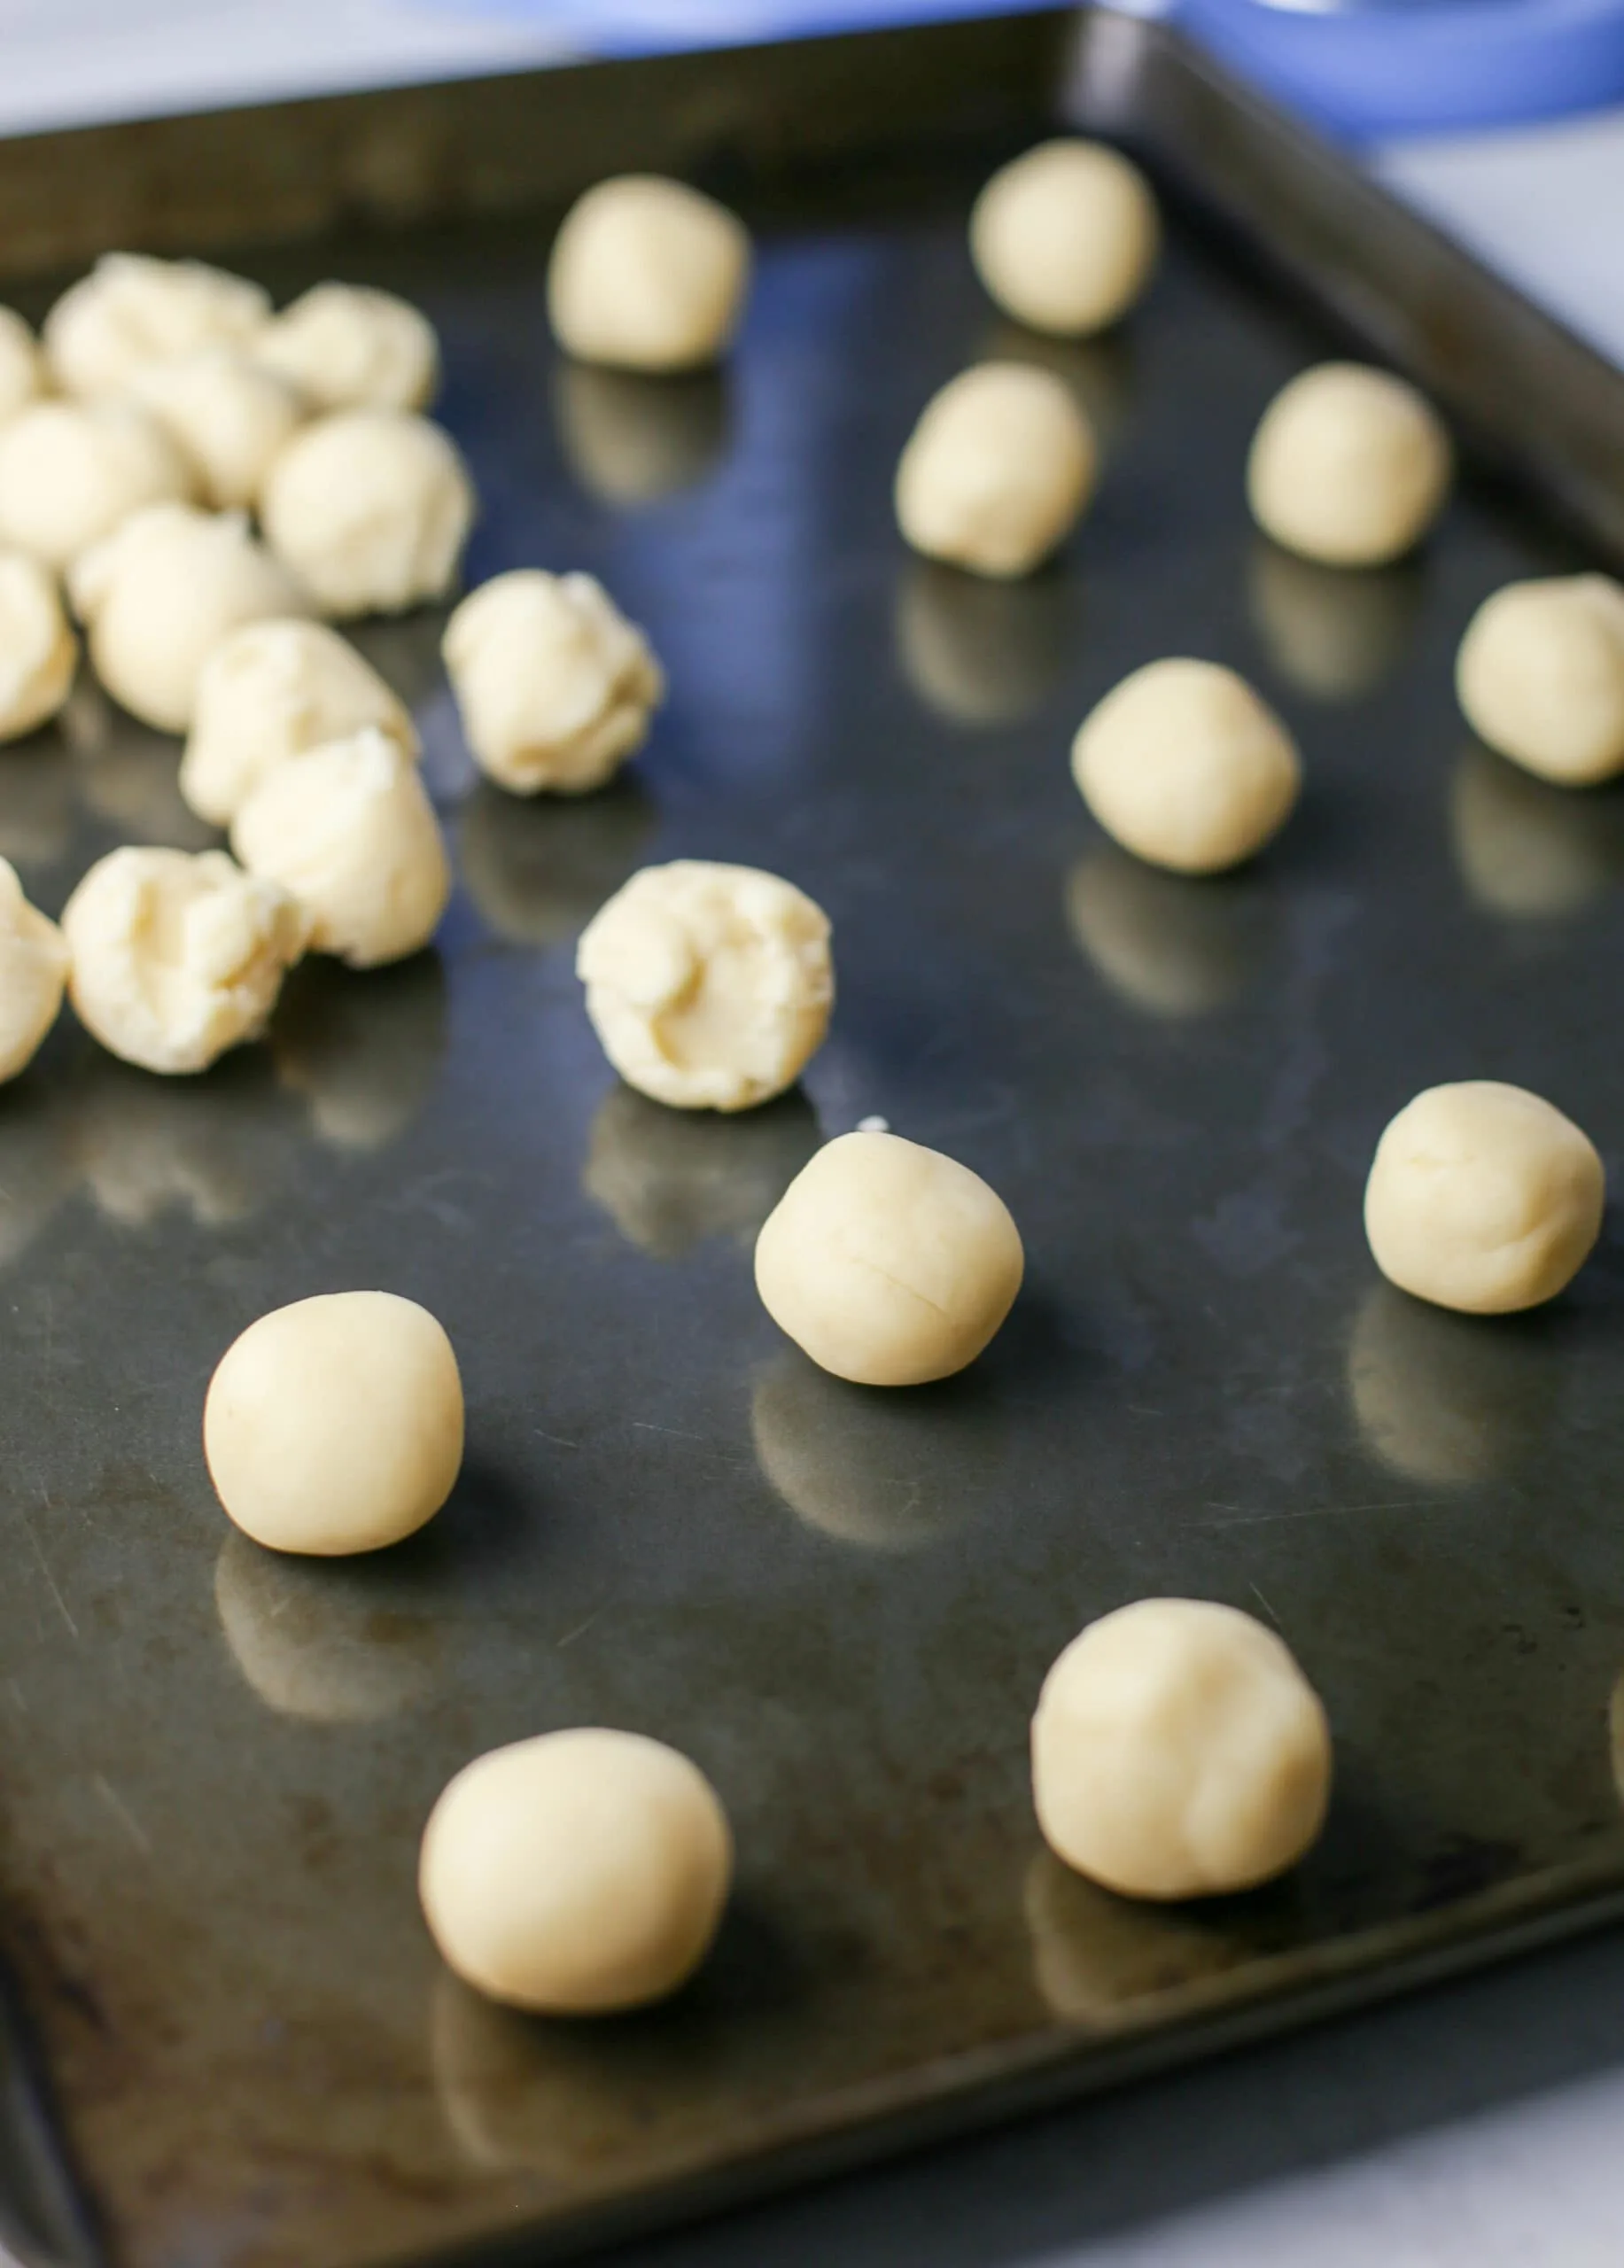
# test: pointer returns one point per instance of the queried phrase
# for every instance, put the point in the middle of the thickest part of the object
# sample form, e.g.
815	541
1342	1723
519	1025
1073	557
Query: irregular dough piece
22	366
576	1873
370	509
648	274
72	472
1540	677
888	1264
228	417
32	974
1178	1751
710	986
1483	1197
1349	465
130	310
345	347
1065	237
998	470
555	686
175	959
1184	766
38	651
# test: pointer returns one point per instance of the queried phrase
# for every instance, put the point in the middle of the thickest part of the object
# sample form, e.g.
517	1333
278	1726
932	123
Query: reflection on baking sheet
363	1047
129	777
36	802
1171	944
1444	1398
1333	632
669	1179
404	649
1527	850
981	652
215	1146
315	1639
631	439
37	1163
1099	372
537	868
1091	1951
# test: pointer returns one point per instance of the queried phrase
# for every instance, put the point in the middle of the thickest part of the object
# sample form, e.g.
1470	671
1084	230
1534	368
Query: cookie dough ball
227	415
32	974
131	310
175	959
1483	1197
888	1264
1349	465
336	1425
38	652
576	1873
22	366
1540	677
72	472
709	986
998	470
1065	237
555	686
370	509
345	347
1184	766
648	274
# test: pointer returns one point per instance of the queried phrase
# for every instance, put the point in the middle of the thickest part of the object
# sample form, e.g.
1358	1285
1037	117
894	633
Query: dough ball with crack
132	309
22	366
998	470
32	974
370	509
1065	237
1540	677
38	651
347	346
1349	465
648	274
227	415
72	472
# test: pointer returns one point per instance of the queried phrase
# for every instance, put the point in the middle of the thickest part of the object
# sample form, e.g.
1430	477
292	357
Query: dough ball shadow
633	440
1172	945
36	802
1447	1399
1100	372
1333	632
361	1047
981	652
1527	850
322	1639
213	1147
673	1179
539	868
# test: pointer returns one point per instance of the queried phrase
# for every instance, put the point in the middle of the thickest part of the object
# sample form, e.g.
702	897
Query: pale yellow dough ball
1540	677
1349	465
1065	237
648	274
22	366
132	309
33	974
226	416
997	472
370	509
72	472
38	651
347	346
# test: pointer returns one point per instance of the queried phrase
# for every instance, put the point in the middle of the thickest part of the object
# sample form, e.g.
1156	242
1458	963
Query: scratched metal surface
217	1764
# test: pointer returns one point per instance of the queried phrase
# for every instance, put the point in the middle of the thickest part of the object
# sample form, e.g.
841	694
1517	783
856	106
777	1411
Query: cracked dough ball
32	974
576	1873
648	274
1065	237
38	651
131	309
998	470
345	347
370	509
1540	677
348	830
71	472
176	957
228	417
888	1264
709	986
1178	1751
22	366
336	1425
555	686
1184	766
1349	465
1483	1197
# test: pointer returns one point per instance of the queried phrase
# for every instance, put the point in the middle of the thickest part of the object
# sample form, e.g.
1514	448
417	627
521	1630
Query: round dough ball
998	470
1483	1197
1349	465
345	347
336	1425
576	1873
176	957
348	830
38	651
709	986
71	472
1178	1751
1184	766
270	691
1540	677
370	509
555	686
1065	237
228	417
648	274
131	309
22	366
160	594
888	1264
32	974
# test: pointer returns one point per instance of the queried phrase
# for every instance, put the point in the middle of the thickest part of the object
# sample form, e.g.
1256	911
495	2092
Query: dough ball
1178	1751
998	470
555	686
648	274
176	957
336	1425
270	691
228	417
576	1873
348	830
1349	465
71	472
1540	677
131	310
38	651
32	974
1483	1197
1065	237
888	1264
1184	766
22	366
709	986
345	347
370	509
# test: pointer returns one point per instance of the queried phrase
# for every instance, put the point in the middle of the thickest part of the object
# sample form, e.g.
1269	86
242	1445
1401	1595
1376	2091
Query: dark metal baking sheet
217	1764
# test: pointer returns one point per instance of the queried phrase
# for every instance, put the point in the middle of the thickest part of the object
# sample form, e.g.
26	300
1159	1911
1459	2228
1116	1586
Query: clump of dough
1184	766
998	470
38	651
1065	237
370	509
555	686
175	957
648	274
576	1873
1540	677
132	309
32	974
1483	1197
347	346
888	1263
72	472
227	415
1349	465
709	986
22	366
